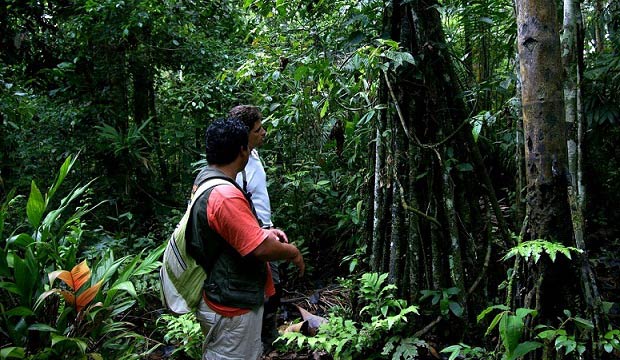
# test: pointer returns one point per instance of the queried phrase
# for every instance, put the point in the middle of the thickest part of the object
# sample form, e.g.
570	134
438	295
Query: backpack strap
245	180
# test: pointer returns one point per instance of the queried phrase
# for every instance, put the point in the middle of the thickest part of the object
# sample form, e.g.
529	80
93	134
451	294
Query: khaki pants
230	338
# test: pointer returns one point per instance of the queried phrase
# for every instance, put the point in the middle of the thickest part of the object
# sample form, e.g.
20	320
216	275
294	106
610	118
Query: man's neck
229	170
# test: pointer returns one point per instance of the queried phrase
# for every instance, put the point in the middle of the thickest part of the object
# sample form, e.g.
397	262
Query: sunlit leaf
80	274
87	296
63	275
35	206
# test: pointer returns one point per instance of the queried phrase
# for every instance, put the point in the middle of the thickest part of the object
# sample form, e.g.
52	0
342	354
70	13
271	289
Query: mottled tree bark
551	289
572	58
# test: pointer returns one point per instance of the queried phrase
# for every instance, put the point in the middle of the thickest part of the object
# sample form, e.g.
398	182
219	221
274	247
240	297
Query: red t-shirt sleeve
230	215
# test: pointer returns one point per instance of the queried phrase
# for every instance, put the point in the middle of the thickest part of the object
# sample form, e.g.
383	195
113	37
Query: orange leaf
80	274
69	297
87	296
63	275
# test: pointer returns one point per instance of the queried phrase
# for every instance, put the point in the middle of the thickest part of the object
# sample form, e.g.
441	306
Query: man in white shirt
254	181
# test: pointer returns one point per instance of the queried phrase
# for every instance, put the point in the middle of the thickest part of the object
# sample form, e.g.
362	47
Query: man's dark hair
247	113
224	139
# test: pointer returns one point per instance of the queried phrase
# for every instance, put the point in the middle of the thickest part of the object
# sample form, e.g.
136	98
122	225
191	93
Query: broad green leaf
21	311
22	240
523	312
126	286
464	167
583	323
35	206
475	130
524	348
79	343
510	329
12	352
547	334
24	279
608	348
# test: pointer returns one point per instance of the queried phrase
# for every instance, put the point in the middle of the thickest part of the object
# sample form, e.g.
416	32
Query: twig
412	209
427	328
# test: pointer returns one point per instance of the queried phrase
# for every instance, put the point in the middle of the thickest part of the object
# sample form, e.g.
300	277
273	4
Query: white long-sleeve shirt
256	184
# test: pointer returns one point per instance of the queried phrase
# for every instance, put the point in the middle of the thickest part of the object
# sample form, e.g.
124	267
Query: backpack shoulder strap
245	180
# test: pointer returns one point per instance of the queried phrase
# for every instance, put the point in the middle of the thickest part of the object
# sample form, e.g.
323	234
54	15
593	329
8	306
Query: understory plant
380	333
516	330
184	333
86	320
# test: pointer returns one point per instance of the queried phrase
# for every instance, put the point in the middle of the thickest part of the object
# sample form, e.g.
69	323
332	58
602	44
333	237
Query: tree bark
572	57
545	153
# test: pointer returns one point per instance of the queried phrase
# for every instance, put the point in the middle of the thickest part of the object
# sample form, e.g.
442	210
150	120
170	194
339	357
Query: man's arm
276	247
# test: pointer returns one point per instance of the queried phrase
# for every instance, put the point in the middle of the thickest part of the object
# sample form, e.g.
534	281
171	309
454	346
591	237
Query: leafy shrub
184	332
382	328
80	322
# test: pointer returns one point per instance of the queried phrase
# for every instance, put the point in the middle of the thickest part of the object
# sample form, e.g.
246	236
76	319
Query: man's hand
269	251
279	235
298	261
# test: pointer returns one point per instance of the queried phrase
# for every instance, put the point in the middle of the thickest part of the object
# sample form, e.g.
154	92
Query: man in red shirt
226	239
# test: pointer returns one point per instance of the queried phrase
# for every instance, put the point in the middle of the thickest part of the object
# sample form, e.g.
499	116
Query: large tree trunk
552	285
427	210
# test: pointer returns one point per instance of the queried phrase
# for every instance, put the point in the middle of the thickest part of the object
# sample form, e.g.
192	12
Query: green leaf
127	286
21	240
510	329
35	206
324	108
489	309
79	343
42	327
523	312
608	348
464	167
475	130
62	173
524	348
583	323
20	311
496	319
12	352
456	308
547	334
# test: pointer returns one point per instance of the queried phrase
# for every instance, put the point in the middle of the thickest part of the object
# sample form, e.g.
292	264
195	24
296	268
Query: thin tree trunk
378	191
572	59
455	261
599	41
